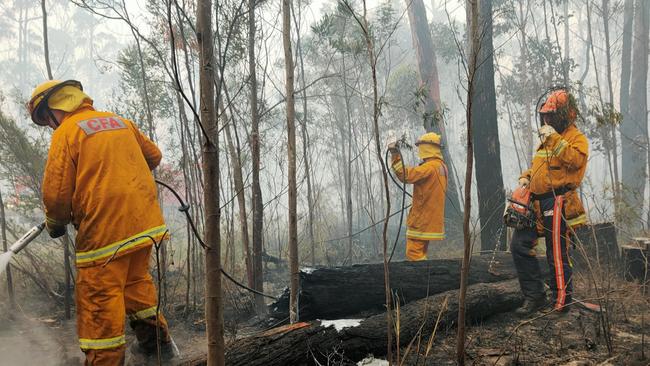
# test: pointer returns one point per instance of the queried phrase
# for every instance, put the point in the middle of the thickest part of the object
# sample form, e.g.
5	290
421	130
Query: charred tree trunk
314	344
210	153
258	204
487	149
428	72
339	292
634	130
291	150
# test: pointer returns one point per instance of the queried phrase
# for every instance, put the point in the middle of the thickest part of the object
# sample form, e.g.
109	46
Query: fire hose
35	231
401	142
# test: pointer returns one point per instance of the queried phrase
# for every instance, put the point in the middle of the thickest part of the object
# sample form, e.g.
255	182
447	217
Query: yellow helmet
55	94
429	138
429	145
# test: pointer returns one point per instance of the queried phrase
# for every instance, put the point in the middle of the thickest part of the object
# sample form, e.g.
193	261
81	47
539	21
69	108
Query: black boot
531	305
139	356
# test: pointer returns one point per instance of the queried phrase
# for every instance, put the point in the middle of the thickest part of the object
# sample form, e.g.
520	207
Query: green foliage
129	97
546	62
606	115
22	163
443	41
340	31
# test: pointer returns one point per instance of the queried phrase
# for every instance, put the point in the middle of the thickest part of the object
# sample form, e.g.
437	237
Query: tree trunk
210	153
291	150
428	73
624	91
3	231
528	130
46	47
476	37
305	150
314	344
376	112
343	292
634	130
487	152
258	204
235	156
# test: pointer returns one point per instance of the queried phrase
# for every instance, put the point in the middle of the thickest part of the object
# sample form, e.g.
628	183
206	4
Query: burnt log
600	246
358	290
313	344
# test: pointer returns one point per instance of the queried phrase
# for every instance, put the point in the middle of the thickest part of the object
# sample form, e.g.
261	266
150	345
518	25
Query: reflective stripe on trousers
105	343
419	235
557	252
134	241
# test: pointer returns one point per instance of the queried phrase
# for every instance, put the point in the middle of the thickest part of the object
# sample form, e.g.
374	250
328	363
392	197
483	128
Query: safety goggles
38	107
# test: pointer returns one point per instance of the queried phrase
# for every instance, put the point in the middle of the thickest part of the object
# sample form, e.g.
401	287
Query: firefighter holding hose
98	177
425	221
557	170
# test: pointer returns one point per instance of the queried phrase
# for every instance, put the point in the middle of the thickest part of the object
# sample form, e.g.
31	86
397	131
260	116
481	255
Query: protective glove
546	131
524	182
55	231
392	148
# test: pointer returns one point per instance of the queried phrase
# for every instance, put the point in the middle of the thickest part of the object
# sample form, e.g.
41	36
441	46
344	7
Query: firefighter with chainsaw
98	177
426	218
546	204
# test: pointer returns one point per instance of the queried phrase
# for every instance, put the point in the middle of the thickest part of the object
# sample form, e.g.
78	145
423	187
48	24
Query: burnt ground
576	338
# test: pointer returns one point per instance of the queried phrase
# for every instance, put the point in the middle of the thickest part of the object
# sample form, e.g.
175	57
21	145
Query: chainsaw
519	213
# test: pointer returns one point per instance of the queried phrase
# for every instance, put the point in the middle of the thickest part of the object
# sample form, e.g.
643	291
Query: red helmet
561	102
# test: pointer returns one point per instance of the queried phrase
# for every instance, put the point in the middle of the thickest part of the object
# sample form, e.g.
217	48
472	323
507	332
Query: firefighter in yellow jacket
557	171
98	177
426	219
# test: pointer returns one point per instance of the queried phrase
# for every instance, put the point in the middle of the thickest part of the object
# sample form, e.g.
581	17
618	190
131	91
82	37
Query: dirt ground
52	342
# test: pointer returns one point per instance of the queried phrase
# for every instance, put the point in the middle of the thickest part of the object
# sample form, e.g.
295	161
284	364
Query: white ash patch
371	361
339	324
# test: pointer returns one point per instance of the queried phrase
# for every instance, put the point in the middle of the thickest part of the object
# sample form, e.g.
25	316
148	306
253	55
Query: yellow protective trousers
416	249
105	295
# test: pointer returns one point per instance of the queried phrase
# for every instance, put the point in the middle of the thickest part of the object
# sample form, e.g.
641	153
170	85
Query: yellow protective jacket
426	219
98	176
560	163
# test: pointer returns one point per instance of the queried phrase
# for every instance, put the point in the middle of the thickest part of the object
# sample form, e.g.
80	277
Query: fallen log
340	292
312	343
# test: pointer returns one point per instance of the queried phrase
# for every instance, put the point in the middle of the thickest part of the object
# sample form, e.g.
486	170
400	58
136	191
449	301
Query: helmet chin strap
53	122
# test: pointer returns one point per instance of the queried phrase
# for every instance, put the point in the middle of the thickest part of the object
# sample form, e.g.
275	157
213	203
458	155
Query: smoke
42	342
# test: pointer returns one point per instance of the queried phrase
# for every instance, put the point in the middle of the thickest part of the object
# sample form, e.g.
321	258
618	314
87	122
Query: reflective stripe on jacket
426	219
561	163
98	176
